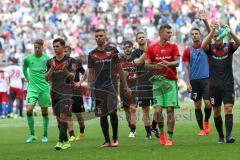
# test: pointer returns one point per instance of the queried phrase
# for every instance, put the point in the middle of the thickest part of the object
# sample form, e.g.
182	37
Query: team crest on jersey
163	52
108	53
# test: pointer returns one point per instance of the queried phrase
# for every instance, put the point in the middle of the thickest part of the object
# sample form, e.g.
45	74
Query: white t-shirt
16	75
4	78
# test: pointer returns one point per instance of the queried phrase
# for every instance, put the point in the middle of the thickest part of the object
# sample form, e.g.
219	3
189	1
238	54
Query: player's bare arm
123	78
91	76
174	63
84	78
150	66
202	16
186	70
139	61
207	40
70	75
48	75
235	38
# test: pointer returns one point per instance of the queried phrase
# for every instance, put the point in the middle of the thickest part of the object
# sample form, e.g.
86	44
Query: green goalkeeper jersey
34	69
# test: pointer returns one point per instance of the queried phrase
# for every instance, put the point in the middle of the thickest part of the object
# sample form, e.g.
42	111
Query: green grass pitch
187	145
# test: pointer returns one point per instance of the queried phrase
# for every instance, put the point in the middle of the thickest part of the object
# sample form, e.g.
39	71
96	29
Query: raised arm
202	16
236	39
208	38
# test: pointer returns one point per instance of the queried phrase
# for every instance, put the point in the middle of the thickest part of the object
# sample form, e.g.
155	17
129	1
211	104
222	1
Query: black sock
114	123
148	129
132	128
228	124
105	128
63	132
66	138
20	108
154	124
219	125
58	124
82	129
199	117
170	134
161	125
71	133
207	112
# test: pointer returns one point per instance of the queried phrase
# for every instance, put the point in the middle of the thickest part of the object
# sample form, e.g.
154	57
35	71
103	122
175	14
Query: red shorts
3	97
17	91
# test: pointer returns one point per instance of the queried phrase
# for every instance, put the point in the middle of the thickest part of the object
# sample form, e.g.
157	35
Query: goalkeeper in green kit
34	69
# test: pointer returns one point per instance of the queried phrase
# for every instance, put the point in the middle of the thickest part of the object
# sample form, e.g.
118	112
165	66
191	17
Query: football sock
63	131
161	126
148	129
154	124
133	128
114	123
105	128
20	108
219	125
199	117
228	124
170	134
207	112
45	124
30	120
82	129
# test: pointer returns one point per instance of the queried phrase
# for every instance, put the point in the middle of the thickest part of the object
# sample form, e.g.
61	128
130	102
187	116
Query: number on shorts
212	101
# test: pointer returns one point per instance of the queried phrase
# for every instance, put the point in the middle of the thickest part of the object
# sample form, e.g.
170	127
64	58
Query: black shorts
145	102
144	92
105	102
222	93
127	102
62	106
200	89
77	105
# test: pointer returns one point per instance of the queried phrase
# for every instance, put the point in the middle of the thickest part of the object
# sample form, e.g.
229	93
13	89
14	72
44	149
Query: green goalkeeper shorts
165	92
43	99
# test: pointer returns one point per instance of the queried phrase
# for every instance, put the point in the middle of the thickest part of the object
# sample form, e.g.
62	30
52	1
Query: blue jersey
198	63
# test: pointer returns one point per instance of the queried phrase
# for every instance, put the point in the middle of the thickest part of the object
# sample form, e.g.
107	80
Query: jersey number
15	73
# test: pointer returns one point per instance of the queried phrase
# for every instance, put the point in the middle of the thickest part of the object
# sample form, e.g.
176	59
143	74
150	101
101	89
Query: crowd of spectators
22	21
